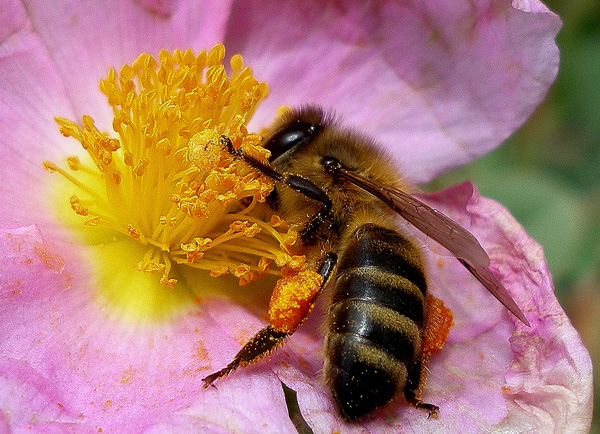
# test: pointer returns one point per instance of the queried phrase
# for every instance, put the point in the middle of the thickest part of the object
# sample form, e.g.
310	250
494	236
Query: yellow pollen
166	181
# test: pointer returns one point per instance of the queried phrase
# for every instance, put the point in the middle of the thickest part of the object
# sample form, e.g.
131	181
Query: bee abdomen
375	320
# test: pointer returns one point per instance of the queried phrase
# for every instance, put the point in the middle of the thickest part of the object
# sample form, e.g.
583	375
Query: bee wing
459	241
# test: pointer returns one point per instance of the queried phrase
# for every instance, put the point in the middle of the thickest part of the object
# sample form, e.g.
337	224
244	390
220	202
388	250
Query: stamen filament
53	168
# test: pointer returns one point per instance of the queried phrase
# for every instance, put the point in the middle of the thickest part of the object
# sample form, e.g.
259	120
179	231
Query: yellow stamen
167	182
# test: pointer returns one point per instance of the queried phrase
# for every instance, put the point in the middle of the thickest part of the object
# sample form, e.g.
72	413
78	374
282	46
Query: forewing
460	242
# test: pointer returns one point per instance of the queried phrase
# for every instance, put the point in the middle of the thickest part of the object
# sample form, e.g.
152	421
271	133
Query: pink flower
437	83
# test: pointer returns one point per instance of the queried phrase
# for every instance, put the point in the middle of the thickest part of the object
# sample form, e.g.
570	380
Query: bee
346	196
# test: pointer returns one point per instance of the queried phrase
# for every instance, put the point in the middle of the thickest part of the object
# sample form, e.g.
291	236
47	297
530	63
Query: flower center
167	182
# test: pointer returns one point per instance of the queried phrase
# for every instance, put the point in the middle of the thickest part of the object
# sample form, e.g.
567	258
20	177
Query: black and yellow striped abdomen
375	321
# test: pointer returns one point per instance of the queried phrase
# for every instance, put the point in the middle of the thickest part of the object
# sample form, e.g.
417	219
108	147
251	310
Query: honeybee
346	196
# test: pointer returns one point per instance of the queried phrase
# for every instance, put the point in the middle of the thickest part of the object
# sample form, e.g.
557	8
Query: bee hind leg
439	322
261	344
412	390
287	311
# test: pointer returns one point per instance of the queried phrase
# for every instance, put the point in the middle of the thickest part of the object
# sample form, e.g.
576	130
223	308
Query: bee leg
412	389
267	339
295	182
312	191
262	343
439	322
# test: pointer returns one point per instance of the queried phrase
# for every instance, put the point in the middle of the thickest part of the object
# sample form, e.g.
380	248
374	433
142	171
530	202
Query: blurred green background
548	174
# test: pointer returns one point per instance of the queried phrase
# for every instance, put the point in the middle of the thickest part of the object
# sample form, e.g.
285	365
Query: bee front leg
292	300
295	182
312	191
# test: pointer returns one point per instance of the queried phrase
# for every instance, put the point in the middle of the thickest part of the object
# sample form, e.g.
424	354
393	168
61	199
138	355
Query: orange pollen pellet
293	299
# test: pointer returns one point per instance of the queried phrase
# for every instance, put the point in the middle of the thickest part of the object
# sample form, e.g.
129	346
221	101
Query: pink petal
32	93
438	83
548	384
69	360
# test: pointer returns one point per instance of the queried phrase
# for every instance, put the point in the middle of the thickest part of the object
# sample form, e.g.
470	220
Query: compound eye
295	135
